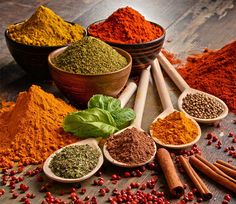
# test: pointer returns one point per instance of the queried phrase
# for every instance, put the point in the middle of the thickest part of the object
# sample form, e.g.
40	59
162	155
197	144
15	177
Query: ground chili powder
214	72
126	26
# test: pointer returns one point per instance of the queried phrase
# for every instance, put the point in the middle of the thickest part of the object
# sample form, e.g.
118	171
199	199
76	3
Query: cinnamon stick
199	184
211	173
215	168
168	168
226	168
226	164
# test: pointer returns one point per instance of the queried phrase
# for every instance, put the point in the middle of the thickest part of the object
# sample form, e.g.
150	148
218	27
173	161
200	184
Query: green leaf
104	102
93	122
123	117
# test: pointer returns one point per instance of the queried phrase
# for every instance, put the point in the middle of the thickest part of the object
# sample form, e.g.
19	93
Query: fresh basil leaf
104	102
123	117
90	123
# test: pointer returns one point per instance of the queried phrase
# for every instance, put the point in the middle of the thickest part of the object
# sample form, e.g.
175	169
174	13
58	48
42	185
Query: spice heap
174	129
45	28
31	129
126	26
74	161
214	72
90	56
131	146
202	106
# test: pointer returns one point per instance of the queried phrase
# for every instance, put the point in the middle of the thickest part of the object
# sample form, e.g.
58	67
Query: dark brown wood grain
191	26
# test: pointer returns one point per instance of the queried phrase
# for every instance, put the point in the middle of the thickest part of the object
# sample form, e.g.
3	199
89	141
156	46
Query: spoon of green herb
138	109
79	161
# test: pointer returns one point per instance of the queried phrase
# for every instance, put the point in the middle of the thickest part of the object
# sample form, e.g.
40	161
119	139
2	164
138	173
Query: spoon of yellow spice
171	129
201	106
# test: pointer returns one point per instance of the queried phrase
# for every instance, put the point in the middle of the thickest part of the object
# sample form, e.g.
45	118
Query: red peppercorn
214	138
127	174
113	177
209	142
83	191
209	136
15	195
225	202
100	182
227	197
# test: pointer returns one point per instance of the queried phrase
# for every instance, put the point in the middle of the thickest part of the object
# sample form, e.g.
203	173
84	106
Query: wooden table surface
191	26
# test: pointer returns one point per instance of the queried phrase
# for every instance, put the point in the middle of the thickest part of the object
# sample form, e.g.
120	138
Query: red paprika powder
214	72
126	26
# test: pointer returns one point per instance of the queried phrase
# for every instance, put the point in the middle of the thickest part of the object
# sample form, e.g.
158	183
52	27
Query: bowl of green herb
89	67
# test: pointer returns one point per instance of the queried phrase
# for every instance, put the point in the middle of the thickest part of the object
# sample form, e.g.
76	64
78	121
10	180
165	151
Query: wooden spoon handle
161	85
127	93
173	74
141	97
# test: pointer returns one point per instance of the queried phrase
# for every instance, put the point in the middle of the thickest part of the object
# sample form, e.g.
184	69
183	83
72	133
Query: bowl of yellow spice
89	67
30	41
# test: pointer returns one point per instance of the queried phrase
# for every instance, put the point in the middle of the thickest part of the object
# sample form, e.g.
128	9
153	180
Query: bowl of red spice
127	29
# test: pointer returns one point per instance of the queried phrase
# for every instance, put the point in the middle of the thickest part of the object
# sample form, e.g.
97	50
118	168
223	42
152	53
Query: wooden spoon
167	106
124	98
185	89
138	109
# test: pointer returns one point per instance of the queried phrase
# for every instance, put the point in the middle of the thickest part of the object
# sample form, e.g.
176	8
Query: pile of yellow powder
31	128
45	28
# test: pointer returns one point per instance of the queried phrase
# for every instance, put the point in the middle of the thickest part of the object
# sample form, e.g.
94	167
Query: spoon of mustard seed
201	106
168	110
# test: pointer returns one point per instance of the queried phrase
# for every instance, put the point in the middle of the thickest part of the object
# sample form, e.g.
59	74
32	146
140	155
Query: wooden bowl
142	53
79	88
33	59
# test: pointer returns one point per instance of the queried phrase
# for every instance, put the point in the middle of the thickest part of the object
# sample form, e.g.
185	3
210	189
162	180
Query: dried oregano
74	161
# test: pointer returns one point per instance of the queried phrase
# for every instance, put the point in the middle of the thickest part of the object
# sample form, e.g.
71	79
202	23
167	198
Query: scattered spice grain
131	146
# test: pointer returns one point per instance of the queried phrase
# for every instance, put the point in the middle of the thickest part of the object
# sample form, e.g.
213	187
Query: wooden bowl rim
60	50
134	44
36	46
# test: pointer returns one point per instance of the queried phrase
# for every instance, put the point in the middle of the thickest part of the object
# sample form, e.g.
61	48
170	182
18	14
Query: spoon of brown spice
171	129
201	106
132	146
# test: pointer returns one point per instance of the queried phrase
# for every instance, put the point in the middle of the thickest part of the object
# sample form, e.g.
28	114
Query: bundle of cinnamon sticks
221	172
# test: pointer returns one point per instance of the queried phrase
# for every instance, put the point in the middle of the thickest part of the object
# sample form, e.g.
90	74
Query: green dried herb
74	161
90	56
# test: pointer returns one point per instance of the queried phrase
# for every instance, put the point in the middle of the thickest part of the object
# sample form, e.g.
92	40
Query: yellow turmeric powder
31	128
45	28
174	129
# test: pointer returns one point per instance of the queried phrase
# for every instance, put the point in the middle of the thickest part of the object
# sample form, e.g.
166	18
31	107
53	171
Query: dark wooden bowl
33	59
79	88
142	53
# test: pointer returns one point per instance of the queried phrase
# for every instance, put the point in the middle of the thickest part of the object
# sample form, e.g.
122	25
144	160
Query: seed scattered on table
202	106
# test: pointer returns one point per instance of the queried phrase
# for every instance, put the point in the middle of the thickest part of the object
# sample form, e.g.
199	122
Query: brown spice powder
131	146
